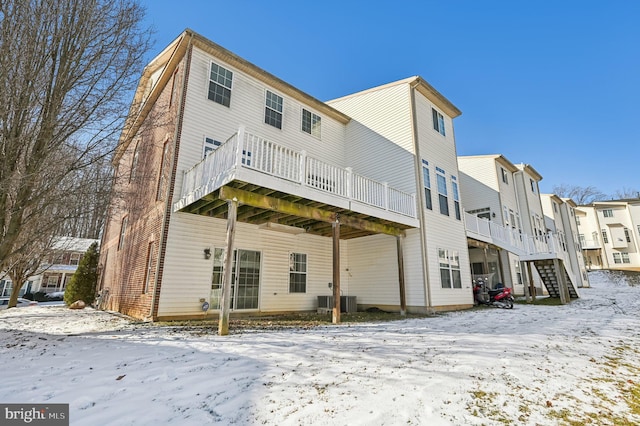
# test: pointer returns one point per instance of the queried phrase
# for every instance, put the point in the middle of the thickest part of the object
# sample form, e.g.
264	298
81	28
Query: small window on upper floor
607	212
74	259
426	180
220	85
311	123
533	185
273	110
505	177
134	162
210	145
456	196
443	197
438	121
555	207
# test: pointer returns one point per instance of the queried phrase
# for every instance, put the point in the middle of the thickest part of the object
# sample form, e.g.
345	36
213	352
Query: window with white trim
617	258
273	110
209	146
438	121
505	176
638	229
533	185
625	257
577	220
148	273
605	238
443	197
311	123
220	80
607	212
163	179
516	266
134	162
449	261
74	259
123	230
426	181
456	197
297	273
484	213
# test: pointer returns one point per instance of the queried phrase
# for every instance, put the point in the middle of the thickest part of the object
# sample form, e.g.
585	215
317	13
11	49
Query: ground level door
245	279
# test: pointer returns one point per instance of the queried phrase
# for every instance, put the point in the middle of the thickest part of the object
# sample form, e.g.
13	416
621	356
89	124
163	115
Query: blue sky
555	84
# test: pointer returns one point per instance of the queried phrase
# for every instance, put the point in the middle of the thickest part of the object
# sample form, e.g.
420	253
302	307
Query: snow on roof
73	244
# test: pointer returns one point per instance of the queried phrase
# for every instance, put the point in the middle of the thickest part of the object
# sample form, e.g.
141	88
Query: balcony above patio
283	189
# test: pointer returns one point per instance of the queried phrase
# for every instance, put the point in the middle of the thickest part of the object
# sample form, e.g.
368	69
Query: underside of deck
290	213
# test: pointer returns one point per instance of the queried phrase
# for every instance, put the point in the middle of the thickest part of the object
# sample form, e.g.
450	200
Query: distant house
609	232
511	239
57	269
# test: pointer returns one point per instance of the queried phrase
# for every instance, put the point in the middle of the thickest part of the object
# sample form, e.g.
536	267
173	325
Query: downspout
171	183
516	182
603	250
420	196
531	290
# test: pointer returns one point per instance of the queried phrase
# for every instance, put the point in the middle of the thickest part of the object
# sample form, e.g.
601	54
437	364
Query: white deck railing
511	239
262	155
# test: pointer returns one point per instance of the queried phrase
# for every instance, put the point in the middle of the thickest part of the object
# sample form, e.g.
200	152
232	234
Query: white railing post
184	183
240	143
303	167
349	178
385	186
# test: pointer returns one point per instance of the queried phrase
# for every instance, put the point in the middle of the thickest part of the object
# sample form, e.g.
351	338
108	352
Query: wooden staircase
547	270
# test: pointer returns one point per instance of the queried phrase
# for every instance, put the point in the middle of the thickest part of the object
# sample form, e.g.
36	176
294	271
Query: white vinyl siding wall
203	117
373	270
442	231
479	184
190	234
378	139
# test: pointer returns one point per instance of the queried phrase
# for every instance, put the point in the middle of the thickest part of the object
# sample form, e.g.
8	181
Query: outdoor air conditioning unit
347	304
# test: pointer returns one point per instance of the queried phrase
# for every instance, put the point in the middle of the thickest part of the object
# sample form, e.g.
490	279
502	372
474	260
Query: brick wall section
186	66
123	270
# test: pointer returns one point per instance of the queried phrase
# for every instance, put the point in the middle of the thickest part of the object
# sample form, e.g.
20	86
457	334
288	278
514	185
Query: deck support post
403	299
532	286
563	290
336	271
223	322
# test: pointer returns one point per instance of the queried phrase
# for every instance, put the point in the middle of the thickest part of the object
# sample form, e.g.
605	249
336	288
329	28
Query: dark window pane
445	278
444	205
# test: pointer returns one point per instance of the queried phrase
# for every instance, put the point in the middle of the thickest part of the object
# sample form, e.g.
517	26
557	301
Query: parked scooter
500	296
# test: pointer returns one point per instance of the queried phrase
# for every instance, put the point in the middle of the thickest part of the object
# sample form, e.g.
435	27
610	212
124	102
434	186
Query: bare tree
626	193
89	201
30	261
580	194
67	71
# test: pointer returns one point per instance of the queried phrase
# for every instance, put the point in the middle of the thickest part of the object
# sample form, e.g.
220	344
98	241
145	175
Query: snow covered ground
533	365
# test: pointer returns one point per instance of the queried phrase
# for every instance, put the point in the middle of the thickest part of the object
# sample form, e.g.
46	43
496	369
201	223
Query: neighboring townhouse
506	229
358	196
489	193
56	271
561	221
609	232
